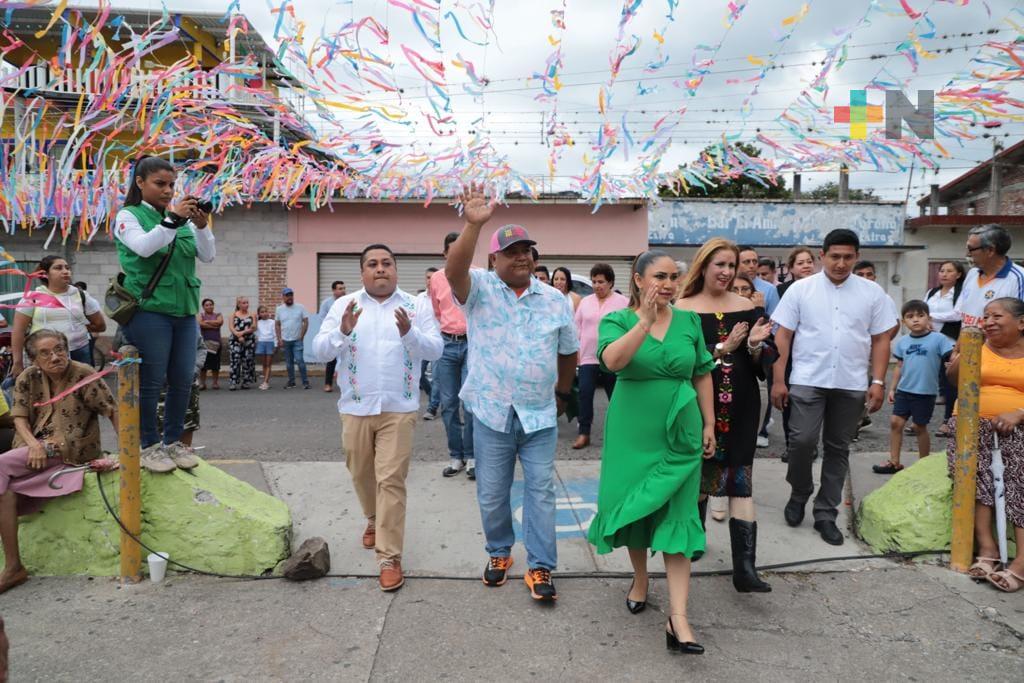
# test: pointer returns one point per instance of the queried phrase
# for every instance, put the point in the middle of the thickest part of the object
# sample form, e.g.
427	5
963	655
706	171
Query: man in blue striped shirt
994	275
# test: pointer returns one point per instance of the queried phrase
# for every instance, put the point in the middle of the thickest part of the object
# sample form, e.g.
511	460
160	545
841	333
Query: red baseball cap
507	235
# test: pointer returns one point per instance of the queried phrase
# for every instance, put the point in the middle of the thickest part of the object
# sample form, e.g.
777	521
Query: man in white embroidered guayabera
379	336
522	361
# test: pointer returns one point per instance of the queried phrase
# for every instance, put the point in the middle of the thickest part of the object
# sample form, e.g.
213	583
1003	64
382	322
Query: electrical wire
561	575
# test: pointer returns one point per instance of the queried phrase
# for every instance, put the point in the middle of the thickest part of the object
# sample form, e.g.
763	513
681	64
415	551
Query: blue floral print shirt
514	344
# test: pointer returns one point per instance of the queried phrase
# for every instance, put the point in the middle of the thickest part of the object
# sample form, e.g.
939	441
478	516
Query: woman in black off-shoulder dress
735	333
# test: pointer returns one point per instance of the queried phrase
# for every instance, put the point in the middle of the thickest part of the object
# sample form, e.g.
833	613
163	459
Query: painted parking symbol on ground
575	507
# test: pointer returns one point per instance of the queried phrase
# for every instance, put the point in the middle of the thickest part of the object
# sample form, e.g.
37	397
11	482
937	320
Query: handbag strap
160	270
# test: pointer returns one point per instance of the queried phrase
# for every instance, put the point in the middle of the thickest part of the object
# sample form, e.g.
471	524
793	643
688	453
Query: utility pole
995	187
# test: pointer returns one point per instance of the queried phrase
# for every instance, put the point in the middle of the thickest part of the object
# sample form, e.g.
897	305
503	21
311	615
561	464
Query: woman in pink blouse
592	308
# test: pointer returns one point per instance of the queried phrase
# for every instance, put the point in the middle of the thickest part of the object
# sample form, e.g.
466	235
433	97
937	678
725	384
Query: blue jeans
431	389
589	376
435	389
293	355
82	355
167	345
495	466
450	372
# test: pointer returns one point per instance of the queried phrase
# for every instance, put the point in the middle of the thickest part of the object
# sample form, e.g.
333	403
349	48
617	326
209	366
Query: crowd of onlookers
254	337
821	341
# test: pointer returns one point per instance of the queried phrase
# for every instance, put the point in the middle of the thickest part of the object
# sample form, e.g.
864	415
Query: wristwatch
564	397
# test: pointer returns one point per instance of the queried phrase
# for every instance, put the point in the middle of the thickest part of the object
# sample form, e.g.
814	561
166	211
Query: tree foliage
830	191
742	187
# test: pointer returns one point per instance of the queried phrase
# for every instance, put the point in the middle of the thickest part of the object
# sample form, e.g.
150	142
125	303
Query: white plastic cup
157	566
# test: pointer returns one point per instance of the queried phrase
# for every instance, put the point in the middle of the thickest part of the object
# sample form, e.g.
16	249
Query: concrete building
775	226
992	192
245	236
325	245
266	247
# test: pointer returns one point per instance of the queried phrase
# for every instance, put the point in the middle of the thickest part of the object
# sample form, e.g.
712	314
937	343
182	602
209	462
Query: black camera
205	205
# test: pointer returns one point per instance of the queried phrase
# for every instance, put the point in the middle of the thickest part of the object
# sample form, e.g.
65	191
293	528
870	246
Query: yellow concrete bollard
965	472
128	439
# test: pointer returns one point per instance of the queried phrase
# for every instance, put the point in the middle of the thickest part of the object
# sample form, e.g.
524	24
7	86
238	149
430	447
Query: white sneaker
181	455
762	441
454	467
155	459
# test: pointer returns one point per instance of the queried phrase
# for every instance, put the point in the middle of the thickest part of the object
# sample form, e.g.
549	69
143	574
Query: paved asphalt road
300	425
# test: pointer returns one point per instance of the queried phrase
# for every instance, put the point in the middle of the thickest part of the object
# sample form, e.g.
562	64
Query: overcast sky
519	47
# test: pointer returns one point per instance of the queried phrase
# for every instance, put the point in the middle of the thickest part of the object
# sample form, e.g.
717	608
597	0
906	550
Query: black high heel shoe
686	647
635	606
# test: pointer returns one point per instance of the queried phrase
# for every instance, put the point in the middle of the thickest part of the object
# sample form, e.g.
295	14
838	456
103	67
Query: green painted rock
210	521
912	511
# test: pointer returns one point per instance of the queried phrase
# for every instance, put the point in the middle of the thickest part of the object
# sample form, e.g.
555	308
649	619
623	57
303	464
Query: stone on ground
912	511
311	561
208	520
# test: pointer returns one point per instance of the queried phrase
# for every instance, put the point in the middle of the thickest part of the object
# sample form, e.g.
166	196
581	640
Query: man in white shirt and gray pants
836	327
379	335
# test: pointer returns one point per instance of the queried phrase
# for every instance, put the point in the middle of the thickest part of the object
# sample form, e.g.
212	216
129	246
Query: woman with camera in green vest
154	227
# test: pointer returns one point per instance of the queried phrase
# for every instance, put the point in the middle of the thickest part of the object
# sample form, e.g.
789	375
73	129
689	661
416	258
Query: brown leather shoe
582	441
370	537
391	578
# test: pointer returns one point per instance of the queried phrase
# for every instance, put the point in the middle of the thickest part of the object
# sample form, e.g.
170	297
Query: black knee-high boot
744	557
702	508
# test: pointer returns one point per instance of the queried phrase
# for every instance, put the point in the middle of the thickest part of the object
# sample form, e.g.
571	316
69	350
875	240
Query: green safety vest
177	293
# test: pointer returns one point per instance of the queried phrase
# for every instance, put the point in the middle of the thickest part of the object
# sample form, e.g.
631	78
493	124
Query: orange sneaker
540	584
496	571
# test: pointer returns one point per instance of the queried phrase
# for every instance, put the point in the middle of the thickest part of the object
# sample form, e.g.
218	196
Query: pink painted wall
559	229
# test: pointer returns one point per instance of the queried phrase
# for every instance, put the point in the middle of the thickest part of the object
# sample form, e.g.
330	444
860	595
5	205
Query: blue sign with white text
692	222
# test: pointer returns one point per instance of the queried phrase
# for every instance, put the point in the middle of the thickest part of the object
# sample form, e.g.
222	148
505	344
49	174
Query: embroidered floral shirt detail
377	367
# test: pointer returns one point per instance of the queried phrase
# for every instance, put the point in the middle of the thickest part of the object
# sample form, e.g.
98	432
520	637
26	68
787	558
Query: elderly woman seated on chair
49	435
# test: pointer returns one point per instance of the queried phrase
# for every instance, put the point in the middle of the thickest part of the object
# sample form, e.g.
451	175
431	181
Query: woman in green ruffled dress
659	428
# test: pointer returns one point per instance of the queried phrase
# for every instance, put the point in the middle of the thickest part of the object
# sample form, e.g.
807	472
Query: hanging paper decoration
357	112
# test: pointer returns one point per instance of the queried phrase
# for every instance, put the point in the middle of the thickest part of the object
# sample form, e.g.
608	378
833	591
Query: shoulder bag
120	304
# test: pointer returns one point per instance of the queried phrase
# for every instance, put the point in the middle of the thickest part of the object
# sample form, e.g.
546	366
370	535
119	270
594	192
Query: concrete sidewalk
444	538
865	619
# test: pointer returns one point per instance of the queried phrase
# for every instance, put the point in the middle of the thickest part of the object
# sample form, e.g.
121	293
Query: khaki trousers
377	452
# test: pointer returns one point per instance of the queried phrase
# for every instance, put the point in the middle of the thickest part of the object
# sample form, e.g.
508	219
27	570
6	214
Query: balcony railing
201	84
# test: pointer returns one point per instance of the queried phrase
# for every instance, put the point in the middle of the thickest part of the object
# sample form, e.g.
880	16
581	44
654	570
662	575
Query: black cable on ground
560	575
103	494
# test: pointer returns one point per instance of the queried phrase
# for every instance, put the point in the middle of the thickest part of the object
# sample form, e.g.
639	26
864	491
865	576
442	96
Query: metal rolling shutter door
411	272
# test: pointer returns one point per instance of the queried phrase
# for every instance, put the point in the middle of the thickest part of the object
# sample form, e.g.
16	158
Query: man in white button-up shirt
379	335
836	327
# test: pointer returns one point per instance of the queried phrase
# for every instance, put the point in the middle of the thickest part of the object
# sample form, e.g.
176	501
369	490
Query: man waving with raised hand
522	360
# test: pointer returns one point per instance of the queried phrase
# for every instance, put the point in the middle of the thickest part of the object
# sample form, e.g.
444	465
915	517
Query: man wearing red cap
522	360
